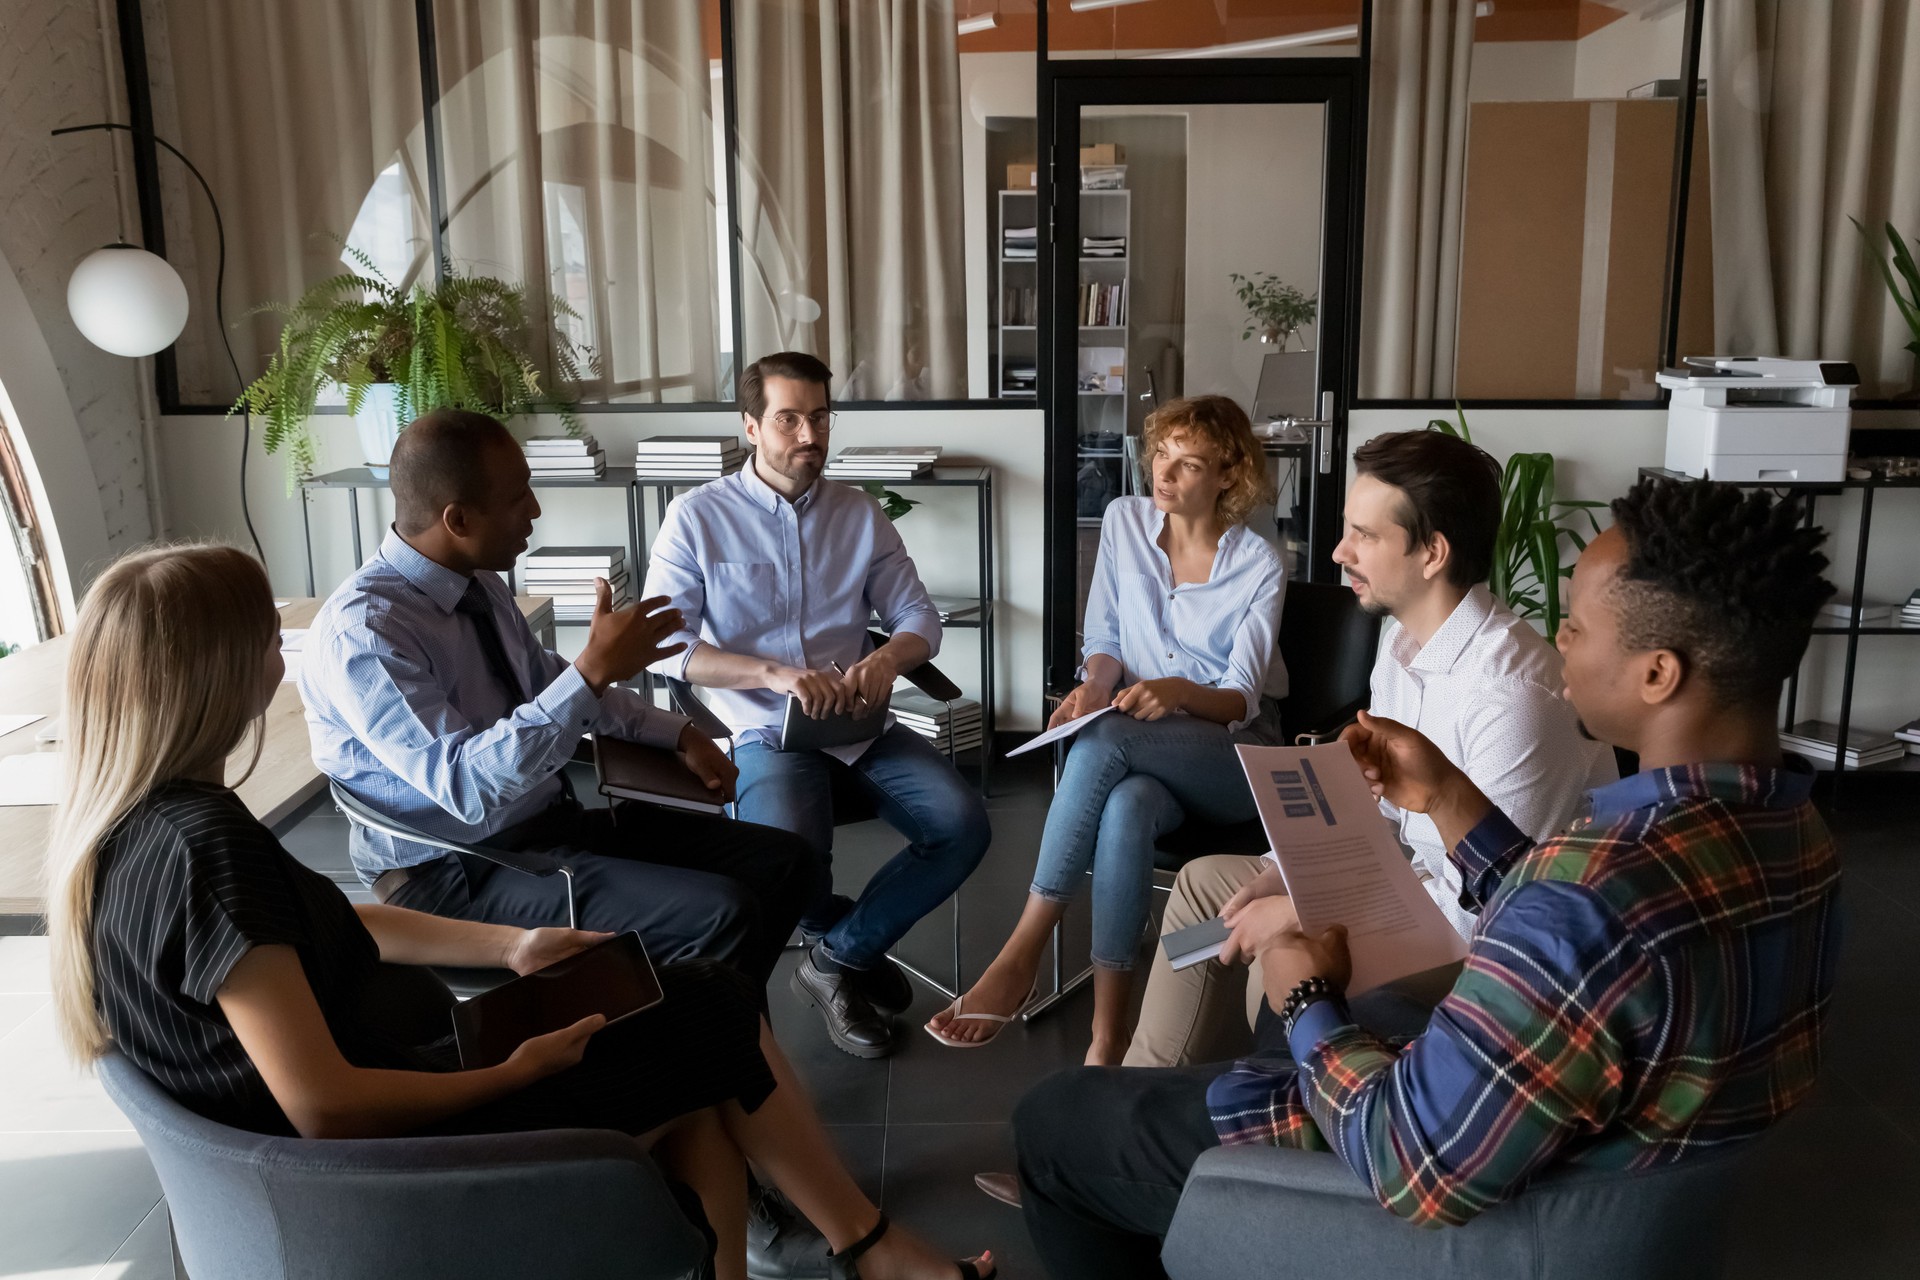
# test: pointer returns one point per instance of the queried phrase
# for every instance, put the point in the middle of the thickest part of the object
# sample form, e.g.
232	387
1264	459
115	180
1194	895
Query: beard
1585	732
800	466
1375	609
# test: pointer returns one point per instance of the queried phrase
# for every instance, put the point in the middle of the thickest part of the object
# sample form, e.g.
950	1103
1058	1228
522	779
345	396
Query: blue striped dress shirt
405	713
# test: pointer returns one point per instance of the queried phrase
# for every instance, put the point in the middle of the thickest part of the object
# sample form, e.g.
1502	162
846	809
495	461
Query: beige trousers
1203	1013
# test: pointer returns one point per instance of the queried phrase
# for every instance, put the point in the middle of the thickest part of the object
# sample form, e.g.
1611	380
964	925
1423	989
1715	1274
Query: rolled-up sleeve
1254	640
1100	632
673	571
895	591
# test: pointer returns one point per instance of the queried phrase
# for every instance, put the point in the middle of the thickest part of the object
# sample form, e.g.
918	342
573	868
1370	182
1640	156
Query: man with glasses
776	573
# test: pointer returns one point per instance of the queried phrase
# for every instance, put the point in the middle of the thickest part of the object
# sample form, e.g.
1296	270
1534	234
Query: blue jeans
1127	783
918	793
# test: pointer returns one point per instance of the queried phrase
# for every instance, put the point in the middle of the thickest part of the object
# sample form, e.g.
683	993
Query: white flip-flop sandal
956	1016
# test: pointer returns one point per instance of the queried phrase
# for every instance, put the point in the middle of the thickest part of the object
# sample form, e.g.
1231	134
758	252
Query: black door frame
1337	84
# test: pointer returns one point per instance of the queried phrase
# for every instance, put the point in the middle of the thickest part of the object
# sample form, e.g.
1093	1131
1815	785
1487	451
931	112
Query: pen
842	673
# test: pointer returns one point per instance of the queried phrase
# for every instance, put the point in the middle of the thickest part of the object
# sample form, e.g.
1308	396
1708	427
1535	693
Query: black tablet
614	978
801	732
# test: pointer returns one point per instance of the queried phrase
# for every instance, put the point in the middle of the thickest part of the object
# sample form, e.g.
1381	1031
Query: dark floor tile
933	1084
863	1149
930	1170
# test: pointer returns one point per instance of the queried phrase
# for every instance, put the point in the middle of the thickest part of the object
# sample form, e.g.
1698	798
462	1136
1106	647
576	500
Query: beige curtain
1416	173
579	153
850	191
1814	108
305	119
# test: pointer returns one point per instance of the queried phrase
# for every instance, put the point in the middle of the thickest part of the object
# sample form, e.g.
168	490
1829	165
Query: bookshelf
1103	314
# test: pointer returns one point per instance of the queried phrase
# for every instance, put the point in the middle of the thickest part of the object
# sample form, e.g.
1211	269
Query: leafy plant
1909	272
1272	303
892	505
1527	550
461	343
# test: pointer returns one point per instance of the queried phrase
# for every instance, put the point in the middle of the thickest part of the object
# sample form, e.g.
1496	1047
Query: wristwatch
1304	993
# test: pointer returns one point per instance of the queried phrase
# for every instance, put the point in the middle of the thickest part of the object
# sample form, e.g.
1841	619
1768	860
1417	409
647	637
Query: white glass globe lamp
127	301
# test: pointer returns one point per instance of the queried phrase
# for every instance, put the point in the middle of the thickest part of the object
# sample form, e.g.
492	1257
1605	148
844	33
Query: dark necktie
474	604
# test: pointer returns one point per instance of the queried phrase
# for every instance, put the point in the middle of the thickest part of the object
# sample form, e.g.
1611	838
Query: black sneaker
781	1243
853	1024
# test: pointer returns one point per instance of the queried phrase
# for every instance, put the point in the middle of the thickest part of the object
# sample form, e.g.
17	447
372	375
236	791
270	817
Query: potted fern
1275	308
1527	549
396	353
1901	269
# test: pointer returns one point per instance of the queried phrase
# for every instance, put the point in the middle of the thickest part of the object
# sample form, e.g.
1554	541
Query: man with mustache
776	573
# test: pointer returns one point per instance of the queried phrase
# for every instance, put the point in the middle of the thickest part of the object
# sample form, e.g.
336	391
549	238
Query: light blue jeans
1128	782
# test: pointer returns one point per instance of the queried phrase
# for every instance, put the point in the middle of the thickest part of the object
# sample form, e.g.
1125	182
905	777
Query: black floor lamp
133	303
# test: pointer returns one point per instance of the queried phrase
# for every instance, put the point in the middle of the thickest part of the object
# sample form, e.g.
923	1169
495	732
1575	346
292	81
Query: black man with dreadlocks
1647	986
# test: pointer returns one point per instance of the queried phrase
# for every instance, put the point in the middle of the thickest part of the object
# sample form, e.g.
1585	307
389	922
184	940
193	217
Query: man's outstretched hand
623	642
1404	768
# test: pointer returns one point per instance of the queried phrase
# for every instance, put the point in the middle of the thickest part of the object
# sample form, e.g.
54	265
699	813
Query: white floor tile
23	966
69	1201
147	1254
16	1009
41	1091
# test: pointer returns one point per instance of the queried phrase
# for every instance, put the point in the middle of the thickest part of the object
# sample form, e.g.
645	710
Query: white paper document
31	778
1053	735
1343	865
9	723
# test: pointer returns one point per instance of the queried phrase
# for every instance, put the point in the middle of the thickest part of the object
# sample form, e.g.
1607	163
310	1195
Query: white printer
1759	418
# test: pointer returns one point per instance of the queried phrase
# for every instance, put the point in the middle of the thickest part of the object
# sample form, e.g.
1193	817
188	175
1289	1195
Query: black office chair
1327	643
462	981
850	803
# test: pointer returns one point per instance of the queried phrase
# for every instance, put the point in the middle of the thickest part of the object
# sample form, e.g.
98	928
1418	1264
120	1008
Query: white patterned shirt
1486	689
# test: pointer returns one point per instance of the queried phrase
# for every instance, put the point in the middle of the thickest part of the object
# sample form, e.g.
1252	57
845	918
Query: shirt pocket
742	600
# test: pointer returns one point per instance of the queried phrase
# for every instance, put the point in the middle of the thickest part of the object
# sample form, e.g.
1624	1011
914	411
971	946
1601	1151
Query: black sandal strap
967	1270
853	1251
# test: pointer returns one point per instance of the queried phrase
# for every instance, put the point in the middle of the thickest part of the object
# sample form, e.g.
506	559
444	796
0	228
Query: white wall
1254	198
1522	71
199	477
63	199
1629	52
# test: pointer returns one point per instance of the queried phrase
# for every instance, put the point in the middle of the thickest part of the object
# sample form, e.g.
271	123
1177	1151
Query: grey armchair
1267	1211
563	1202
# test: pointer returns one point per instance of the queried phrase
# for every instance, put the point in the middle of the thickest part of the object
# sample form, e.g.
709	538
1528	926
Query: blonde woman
1181	621
185	937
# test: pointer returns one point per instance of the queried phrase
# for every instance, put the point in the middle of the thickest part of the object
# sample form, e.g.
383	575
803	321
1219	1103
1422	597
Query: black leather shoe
886	987
853	1024
781	1243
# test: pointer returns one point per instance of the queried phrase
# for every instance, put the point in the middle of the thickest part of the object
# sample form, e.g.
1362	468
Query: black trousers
694	886
1105	1151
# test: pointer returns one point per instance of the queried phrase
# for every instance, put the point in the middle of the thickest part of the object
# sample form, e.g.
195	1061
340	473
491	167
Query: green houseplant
893	504
1275	308
1897	270
1528	550
462	342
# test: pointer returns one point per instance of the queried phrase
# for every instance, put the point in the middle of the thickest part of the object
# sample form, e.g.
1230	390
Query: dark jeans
1105	1151
693	885
919	794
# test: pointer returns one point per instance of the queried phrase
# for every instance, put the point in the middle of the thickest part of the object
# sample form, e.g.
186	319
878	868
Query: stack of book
1103	246
952	607
1019	242
1837	613
565	457
1909	733
567	574
1103	305
689	458
1910	611
873	463
949	730
1818	740
1020	379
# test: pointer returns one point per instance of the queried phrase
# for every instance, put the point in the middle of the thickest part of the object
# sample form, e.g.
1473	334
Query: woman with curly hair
1181	621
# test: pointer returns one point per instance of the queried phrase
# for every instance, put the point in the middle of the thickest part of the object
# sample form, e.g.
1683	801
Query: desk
33	681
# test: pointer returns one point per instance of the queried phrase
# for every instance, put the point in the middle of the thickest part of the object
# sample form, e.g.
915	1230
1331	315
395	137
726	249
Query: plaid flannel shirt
1649	984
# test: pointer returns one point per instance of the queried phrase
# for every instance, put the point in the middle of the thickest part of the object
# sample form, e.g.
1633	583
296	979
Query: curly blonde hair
1219	422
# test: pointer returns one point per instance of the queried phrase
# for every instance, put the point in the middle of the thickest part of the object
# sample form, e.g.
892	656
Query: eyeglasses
787	422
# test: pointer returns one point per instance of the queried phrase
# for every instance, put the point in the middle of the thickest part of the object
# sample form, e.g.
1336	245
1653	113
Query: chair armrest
689	704
926	677
1339	721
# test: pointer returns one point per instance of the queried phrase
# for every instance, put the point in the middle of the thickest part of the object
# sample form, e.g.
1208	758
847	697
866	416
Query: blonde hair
1218	421
163	682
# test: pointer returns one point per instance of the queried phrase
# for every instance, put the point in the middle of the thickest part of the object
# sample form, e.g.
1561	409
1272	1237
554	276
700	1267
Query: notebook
630	771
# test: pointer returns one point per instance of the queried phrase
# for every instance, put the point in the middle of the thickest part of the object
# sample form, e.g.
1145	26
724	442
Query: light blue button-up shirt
405	713
793	582
1220	632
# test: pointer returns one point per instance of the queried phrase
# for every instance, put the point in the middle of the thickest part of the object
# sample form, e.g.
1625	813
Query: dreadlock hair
1730	581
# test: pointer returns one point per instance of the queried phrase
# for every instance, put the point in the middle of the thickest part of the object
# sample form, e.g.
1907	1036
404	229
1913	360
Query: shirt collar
1157	521
1743	784
1444	647
769	497
435	581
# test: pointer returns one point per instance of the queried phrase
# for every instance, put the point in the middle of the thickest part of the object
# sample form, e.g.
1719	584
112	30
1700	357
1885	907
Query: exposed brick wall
61	201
